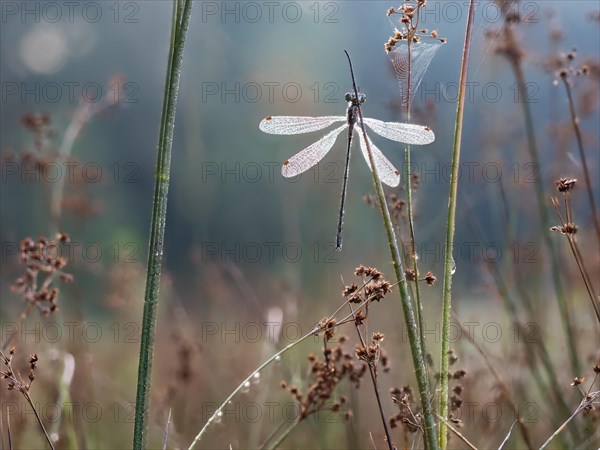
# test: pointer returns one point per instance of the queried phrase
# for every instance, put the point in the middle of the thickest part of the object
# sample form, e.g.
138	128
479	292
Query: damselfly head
351	98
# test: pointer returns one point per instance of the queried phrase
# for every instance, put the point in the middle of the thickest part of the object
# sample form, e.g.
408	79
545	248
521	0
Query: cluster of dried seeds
337	364
43	263
15	381
409	19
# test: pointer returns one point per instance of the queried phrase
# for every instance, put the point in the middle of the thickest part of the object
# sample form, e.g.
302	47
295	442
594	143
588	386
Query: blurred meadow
249	260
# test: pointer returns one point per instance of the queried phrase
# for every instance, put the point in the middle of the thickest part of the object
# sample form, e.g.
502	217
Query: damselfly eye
362	98
348	96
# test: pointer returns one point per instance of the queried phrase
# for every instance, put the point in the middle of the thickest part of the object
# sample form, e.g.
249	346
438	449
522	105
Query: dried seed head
430	278
452	358
577	381
459	374
377	337
361	352
565	184
63	237
359	317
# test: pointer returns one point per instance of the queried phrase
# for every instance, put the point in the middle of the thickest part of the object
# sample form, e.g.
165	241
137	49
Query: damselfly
311	155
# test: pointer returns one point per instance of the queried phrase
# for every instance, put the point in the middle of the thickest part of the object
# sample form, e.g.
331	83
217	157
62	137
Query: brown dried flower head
565	184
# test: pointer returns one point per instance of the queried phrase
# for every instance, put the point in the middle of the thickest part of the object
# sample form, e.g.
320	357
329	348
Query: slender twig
1	430
275	357
82	116
10	446
39	419
503	385
586	172
272	434
575	250
409	316
458	433
179	26
17	384
508	434
373	374
587	401
449	260
506	295
543	214
167	426
408	181
283	435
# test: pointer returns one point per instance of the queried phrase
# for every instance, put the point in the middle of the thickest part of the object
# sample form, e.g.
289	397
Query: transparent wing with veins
388	174
407	133
311	155
297	124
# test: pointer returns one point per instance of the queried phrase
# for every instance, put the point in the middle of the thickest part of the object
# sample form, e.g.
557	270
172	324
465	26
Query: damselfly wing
311	155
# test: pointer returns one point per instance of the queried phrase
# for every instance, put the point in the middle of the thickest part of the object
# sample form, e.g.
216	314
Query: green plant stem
275	357
449	260
409	315
272	435
586	172
544	220
413	251
283	435
179	27
409	207
408	181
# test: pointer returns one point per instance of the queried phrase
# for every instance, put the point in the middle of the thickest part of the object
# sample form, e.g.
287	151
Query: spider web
421	54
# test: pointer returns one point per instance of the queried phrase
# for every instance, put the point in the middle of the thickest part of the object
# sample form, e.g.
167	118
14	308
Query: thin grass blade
508	435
